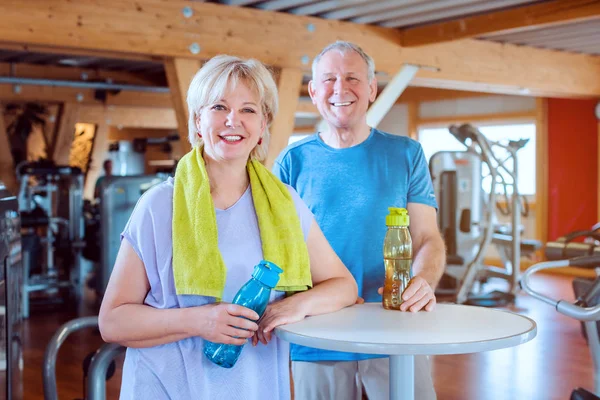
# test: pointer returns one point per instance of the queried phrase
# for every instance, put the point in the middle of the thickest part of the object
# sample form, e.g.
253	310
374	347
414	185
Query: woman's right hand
226	323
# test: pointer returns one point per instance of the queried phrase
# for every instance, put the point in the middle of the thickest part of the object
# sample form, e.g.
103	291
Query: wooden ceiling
122	41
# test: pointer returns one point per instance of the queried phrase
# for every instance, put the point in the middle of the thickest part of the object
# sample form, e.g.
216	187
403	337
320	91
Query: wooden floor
547	368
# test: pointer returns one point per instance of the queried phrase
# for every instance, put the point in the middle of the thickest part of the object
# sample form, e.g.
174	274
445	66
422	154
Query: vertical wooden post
7	168
66	132
99	152
541	156
413	120
180	72
598	184
289	85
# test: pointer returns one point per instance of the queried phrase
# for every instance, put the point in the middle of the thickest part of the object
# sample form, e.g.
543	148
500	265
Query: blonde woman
193	241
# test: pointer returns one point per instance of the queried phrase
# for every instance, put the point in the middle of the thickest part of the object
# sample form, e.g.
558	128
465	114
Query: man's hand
417	296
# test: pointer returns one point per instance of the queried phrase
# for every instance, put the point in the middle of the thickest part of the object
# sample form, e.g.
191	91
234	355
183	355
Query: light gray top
180	370
449	329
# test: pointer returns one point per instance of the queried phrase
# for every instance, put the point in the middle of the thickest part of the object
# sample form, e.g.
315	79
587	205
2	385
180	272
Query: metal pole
402	377
96	385
516	229
82	85
49	367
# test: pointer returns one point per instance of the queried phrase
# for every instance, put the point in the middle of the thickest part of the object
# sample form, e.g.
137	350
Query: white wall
396	120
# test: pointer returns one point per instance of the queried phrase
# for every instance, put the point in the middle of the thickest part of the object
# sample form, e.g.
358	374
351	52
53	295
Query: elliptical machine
467	218
565	252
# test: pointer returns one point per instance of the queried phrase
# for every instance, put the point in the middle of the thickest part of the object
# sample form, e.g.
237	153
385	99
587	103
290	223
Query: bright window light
439	139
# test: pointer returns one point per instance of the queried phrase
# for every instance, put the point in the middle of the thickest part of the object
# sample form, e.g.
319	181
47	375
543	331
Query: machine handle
574	235
585	261
563	306
577	312
525	285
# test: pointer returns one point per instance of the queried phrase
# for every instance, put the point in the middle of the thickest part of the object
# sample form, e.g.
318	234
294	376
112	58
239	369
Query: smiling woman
193	241
226	99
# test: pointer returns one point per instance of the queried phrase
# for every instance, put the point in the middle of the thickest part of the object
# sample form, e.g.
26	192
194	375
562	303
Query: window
439	139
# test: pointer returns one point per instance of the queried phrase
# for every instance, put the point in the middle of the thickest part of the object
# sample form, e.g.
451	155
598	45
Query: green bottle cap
397	217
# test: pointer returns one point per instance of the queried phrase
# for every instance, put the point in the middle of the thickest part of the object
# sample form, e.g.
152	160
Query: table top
449	329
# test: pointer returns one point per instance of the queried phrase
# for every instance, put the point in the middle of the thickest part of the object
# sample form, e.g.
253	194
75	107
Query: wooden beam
413	120
455	119
541	174
7	168
22	70
285	40
410	94
305	129
53	94
505	21
180	72
289	84
422	94
99	153
66	132
598	200
58	50
129	117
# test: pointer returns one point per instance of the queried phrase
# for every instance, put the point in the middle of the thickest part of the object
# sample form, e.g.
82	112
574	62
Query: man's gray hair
344	47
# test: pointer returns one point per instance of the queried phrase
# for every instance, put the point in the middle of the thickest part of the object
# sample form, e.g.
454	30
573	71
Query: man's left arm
429	259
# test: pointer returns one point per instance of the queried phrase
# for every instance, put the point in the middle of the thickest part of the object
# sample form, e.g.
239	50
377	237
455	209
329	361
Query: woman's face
232	126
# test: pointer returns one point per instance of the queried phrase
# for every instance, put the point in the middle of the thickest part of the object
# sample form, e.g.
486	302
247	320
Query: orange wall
573	168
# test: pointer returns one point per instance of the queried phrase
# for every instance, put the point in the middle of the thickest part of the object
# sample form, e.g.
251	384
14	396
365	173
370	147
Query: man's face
341	89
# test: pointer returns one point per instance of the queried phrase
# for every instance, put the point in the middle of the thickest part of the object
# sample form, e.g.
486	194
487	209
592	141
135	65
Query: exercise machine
467	216
118	197
11	291
566	252
50	205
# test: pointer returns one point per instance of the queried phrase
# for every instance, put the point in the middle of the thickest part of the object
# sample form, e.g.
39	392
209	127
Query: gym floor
547	368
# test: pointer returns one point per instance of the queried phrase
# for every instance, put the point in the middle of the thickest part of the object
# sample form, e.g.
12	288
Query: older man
349	174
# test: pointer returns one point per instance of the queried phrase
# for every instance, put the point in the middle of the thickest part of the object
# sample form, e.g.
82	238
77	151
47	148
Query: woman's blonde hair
222	73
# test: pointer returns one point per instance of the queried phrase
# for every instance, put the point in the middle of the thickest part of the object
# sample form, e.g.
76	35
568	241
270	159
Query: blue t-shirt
349	191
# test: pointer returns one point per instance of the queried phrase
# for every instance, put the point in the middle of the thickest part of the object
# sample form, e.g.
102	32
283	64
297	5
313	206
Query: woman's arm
334	288
125	319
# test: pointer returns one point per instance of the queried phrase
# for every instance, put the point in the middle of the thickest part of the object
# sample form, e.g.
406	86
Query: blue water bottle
255	295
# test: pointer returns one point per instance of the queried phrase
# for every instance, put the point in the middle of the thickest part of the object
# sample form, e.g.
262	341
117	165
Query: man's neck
341	138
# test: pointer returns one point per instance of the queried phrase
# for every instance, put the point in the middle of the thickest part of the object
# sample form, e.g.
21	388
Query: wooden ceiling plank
24	70
158	28
53	94
505	21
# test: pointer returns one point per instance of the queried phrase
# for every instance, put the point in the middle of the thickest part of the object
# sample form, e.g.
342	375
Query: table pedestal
402	377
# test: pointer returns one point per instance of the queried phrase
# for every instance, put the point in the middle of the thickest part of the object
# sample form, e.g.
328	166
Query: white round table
449	329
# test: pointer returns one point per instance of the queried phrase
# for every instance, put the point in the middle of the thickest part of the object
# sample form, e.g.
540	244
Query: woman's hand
226	323
278	313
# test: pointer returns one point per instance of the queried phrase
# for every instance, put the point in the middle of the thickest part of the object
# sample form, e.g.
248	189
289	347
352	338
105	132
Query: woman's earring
260	141
199	135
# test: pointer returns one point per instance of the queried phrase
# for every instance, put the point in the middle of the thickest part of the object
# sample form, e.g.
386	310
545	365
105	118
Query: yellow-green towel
198	266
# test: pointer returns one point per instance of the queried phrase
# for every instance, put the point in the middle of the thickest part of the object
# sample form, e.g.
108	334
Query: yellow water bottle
397	255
